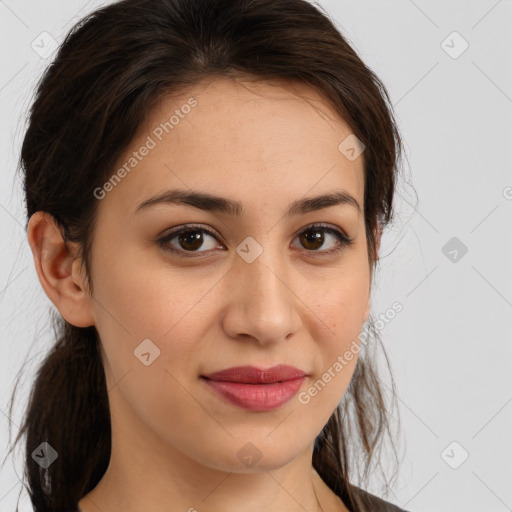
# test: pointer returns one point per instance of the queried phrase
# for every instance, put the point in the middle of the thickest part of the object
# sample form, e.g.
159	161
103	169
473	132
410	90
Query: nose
262	302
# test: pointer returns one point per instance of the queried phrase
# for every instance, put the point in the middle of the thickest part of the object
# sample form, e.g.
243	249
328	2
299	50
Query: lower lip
256	397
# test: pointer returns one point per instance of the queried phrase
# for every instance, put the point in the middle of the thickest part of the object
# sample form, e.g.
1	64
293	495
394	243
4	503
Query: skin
175	442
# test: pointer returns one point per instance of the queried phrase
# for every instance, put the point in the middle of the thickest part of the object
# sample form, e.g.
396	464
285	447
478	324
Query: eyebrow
209	202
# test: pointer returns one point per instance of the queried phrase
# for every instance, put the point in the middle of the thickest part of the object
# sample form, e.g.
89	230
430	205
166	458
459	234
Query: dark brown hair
110	71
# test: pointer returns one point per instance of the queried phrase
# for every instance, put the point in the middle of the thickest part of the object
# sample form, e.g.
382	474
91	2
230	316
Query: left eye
191	238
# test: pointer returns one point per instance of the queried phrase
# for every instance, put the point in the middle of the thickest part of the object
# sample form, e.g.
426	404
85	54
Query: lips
256	389
253	375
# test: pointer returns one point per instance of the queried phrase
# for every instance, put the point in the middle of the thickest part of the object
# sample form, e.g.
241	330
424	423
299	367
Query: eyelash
343	241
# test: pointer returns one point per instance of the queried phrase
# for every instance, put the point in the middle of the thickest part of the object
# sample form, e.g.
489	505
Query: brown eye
189	239
313	238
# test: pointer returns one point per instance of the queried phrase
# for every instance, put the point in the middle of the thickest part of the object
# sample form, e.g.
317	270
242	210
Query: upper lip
253	375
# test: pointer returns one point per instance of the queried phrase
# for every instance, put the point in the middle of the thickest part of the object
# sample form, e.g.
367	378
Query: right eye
190	238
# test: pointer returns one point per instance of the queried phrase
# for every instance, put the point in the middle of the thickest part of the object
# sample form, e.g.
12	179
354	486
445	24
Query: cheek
148	329
340	304
166	305
145	296
338	322
340	343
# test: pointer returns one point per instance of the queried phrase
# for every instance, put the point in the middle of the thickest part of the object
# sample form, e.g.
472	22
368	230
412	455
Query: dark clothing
367	502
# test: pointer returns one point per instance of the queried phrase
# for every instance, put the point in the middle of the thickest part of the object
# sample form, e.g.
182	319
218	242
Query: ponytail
67	422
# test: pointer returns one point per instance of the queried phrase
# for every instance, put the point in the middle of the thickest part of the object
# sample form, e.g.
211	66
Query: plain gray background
451	346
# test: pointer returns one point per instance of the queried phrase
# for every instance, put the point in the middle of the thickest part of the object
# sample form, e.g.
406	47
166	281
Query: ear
58	270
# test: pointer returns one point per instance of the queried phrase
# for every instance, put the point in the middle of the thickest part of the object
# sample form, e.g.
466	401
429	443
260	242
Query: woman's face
262	289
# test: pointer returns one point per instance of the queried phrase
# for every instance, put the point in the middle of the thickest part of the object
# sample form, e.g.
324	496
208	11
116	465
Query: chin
246	456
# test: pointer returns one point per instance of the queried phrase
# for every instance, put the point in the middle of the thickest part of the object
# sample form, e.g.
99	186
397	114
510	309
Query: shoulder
367	502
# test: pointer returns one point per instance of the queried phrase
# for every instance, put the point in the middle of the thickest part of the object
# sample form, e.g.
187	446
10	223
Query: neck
140	478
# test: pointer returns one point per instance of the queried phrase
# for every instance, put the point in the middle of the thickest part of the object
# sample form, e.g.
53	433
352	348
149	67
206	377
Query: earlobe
58	270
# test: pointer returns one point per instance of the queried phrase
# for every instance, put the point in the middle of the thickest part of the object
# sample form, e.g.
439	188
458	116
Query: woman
206	184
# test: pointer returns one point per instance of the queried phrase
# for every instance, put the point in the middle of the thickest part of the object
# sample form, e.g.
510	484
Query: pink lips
256	389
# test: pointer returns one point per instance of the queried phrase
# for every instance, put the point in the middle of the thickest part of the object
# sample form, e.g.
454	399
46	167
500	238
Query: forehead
256	142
